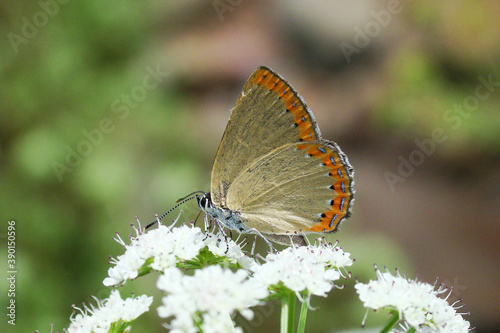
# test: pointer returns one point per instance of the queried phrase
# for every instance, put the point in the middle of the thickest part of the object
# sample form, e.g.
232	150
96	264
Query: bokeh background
89	138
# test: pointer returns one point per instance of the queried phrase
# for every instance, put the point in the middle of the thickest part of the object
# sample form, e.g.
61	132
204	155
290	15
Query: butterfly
273	174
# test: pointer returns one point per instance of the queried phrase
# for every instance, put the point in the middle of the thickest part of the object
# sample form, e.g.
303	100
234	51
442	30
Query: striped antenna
180	202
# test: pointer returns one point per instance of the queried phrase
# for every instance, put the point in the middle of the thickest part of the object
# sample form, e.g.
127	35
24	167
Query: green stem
197	321
303	316
287	313
411	330
391	323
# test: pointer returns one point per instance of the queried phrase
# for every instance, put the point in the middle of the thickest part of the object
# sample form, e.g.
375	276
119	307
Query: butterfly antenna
180	202
187	196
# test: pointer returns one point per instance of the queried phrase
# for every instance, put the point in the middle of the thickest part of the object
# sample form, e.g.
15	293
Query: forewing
268	114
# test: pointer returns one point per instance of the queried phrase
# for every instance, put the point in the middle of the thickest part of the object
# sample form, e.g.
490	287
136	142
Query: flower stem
411	330
303	316
287	313
391	323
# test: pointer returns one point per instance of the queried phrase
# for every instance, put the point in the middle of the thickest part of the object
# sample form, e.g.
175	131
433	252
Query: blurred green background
89	138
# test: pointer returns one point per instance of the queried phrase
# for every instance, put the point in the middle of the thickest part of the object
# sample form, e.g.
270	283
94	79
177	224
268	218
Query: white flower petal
313	268
165	245
109	311
418	303
214	292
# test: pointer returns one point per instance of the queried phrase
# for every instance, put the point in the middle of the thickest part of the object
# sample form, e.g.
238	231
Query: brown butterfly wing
297	188
268	114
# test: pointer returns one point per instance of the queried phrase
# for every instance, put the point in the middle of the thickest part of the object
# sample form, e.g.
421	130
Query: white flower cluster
213	294
99	319
417	303
228	248
313	268
208	299
165	245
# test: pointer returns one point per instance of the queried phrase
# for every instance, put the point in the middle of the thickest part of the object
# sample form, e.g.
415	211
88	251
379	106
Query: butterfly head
225	217
205	201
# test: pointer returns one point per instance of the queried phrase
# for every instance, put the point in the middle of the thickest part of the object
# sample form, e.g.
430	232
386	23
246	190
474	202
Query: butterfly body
227	217
273	173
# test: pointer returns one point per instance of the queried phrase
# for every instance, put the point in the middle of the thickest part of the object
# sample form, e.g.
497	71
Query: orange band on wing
336	165
341	186
293	103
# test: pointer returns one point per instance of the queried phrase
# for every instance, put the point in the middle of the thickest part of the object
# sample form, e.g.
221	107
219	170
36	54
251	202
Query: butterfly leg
222	233
207	225
253	246
207	222
257	232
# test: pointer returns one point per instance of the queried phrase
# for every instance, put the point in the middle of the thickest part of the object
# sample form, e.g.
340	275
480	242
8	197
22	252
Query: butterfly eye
204	201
